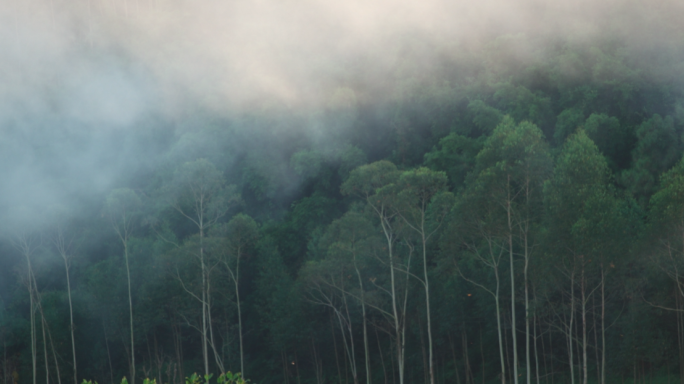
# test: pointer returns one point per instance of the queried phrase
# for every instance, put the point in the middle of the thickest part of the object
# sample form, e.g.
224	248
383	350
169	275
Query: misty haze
360	191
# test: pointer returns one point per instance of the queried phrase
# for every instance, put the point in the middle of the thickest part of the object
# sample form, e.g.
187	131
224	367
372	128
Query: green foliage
455	155
307	163
657	149
485	118
231	378
224	378
567	123
523	104
366	180
578	197
612	139
667	204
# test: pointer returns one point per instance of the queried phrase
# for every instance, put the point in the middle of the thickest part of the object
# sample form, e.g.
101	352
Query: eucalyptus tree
473	239
511	169
581	208
423	204
347	245
666	222
497	213
235	238
198	192
123	207
27	243
375	184
324	282
64	244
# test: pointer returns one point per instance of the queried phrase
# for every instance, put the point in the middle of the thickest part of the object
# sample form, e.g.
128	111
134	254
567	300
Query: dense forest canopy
375	192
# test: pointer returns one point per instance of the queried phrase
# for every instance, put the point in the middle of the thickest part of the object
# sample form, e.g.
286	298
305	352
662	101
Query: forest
513	213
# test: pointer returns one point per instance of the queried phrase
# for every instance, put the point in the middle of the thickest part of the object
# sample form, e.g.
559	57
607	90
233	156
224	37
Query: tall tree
666	227
27	243
423	204
375	184
512	167
122	207
325	283
347	245
503	198
198	192
236	237
473	240
64	245
574	195
354	238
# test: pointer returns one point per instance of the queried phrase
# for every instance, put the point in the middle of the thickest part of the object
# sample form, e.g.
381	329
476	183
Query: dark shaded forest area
513	213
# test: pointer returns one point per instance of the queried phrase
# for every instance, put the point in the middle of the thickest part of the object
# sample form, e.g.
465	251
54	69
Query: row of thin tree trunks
460	364
458	367
574	345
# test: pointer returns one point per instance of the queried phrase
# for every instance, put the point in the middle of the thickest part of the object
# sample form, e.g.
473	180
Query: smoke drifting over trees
77	74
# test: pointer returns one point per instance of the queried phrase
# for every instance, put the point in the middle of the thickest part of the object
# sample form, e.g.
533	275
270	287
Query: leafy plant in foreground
224	378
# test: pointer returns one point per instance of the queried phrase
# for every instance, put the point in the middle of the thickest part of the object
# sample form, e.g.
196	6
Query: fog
96	89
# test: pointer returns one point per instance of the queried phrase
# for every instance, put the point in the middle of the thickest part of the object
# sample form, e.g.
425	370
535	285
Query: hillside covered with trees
512	213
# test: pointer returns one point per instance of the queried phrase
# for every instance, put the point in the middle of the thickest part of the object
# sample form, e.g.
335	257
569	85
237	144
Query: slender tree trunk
584	329
205	350
526	230
109	356
337	358
24	246
130	311
603	326
71	320
33	326
427	300
507	350
237	296
178	346
317	370
536	355
572	318
45	354
553	372
403	316
578	351
382	359
395	311
348	345
510	253
596	343
399	340
527	315
217	356
680	337
365	331
422	349
498	326
46	328
54	356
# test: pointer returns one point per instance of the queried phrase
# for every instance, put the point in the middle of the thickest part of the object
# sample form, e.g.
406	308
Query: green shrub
224	378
